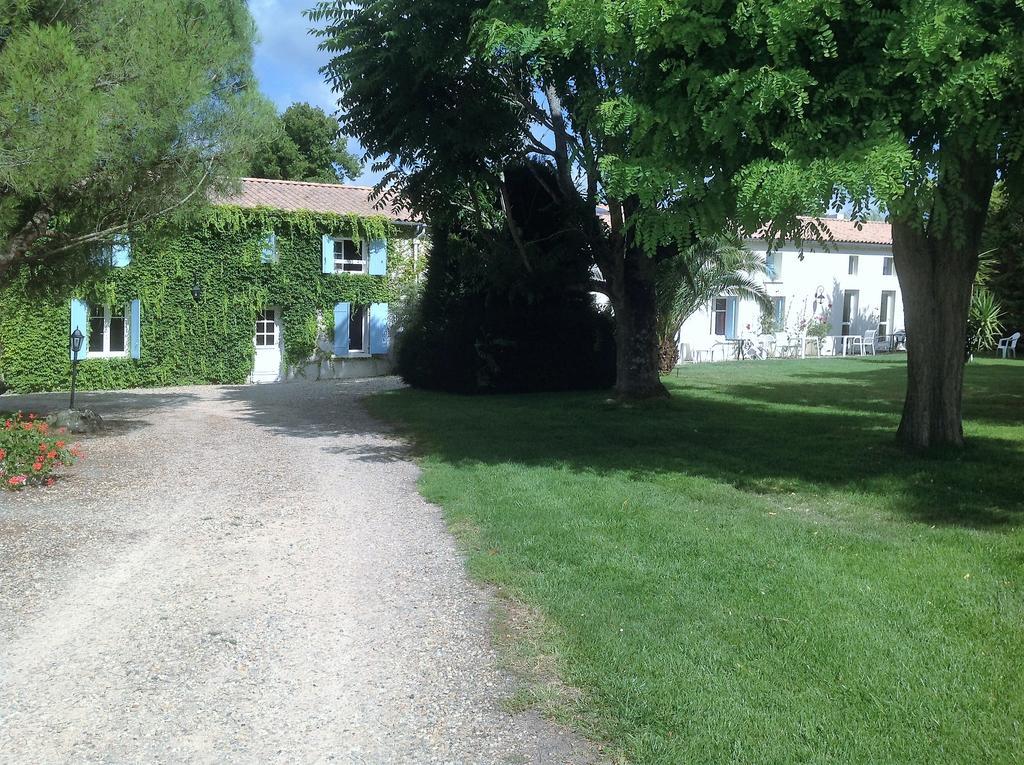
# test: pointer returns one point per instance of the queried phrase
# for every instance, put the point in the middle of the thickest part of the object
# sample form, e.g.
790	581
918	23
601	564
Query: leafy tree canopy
306	146
114	112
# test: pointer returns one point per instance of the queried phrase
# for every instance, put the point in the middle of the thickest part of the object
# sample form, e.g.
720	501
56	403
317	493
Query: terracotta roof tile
293	196
870	232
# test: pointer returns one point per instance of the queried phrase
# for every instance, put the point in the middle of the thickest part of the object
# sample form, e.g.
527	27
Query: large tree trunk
936	281
937	260
636	329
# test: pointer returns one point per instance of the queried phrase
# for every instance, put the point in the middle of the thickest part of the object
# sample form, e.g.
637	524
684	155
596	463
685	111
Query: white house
848	282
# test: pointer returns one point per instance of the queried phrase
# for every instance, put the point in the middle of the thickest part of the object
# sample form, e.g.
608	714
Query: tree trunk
936	263
668	355
636	329
936	280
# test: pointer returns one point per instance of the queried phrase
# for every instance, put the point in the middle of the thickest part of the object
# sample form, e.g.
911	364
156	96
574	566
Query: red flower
18	480
51	481
51	455
2	454
31	415
60	444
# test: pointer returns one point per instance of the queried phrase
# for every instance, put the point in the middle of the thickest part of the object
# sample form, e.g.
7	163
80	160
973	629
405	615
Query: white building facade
848	283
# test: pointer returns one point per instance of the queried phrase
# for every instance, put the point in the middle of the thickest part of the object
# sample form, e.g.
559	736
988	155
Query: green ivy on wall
184	342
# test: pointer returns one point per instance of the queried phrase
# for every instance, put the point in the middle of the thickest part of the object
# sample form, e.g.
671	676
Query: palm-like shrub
721	265
984	323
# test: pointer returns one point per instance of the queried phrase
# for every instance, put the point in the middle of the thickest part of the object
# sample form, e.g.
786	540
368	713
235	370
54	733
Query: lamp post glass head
77	338
197	290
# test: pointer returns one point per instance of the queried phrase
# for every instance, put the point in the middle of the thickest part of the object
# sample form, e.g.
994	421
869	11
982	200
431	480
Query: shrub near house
289	271
30	453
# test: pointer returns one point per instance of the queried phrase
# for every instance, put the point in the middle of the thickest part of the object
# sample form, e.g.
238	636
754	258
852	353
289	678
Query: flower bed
30	453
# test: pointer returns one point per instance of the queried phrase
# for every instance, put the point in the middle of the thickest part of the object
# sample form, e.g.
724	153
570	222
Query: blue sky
287	61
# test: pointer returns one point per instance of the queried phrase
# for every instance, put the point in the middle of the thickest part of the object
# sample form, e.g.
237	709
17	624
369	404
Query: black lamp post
77	338
197	289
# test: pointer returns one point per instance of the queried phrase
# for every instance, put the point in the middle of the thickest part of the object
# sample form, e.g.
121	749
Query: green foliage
183	342
115	112
1004	241
497	317
687	281
984	323
306	146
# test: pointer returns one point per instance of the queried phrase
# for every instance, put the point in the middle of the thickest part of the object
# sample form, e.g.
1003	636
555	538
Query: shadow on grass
762	428
994	391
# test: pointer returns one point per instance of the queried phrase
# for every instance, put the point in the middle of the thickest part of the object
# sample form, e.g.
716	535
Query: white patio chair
702	354
766	345
1008	345
853	344
868	343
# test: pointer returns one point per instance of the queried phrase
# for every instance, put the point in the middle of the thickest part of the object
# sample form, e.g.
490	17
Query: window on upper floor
268	248
854	265
350	257
888	266
108	330
773	265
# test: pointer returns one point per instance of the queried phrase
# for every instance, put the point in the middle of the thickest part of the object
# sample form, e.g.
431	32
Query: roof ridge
854	221
309	183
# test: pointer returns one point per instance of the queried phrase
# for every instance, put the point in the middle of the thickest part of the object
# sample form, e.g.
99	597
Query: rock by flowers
28	454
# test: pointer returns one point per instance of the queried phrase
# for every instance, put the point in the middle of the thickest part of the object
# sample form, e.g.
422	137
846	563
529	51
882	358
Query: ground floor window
358	331
108	330
851	301
887	314
779	313
266	329
719	314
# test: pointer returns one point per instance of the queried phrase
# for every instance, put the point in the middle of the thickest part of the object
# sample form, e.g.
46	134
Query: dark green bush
493	319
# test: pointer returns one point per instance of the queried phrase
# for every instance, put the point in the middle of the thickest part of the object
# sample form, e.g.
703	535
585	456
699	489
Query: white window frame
365	350
887	314
779	311
853	265
340	261
276	324
106	353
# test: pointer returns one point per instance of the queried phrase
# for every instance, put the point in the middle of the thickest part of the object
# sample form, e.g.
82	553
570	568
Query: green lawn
753	571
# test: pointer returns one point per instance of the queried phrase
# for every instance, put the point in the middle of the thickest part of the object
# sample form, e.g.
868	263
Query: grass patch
753	571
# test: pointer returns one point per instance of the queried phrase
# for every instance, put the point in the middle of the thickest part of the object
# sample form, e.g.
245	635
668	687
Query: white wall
798	281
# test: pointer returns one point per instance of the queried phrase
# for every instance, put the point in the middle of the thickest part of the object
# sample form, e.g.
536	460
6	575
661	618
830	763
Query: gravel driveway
246	574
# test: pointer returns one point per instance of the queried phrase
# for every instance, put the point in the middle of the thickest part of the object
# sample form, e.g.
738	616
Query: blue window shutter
80	320
380	336
378	257
328	254
269	252
731	305
121	252
135	330
341	337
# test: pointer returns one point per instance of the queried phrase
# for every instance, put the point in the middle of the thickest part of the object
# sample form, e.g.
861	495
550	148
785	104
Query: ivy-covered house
286	280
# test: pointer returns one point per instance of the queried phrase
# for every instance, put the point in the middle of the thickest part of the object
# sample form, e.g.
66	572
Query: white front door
266	367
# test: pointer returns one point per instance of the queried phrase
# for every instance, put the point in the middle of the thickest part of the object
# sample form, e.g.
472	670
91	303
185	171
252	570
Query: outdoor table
845	342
